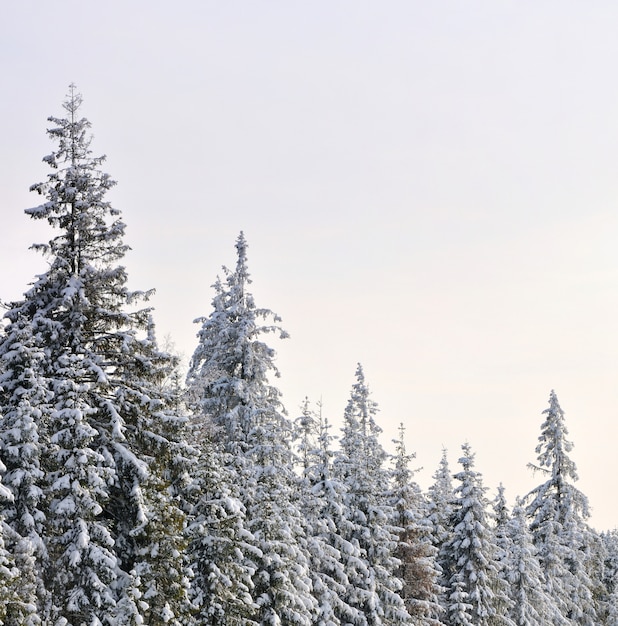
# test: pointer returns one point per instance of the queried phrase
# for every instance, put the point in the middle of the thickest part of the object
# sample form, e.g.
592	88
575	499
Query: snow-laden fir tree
360	466
417	570
229	371
229	384
557	511
282	578
440	502
336	565
502	536
306	435
97	409
531	604
475	592
440	505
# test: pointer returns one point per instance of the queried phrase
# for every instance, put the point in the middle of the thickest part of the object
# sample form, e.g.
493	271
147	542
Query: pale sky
428	188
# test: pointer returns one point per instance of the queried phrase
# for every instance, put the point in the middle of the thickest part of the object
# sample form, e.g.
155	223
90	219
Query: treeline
130	496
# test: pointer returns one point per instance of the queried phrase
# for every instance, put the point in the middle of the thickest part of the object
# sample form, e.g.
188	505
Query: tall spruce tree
229	372
229	385
557	511
91	412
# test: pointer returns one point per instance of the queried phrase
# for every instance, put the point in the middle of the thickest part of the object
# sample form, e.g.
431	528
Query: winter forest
133	493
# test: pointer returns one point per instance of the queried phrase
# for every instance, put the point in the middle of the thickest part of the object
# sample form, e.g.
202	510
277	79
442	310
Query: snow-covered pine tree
98	360
282	578
360	466
440	502
501	532
557	511
335	563
229	371
306	434
476	594
228	380
531	604
418	570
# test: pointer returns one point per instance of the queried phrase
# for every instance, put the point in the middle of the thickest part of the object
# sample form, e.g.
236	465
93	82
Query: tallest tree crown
75	193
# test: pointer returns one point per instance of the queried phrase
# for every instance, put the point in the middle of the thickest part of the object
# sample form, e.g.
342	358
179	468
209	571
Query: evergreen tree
282	579
531	604
229	369
360	466
229	387
417	571
336	565
503	540
441	499
476	593
440	507
306	434
557	511
85	345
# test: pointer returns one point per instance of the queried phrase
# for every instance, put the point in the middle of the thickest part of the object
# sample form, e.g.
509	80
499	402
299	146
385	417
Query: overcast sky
428	188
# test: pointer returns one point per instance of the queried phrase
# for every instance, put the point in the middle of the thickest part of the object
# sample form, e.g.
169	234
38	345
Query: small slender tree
440	507
476	593
417	556
336	566
531	604
360	466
